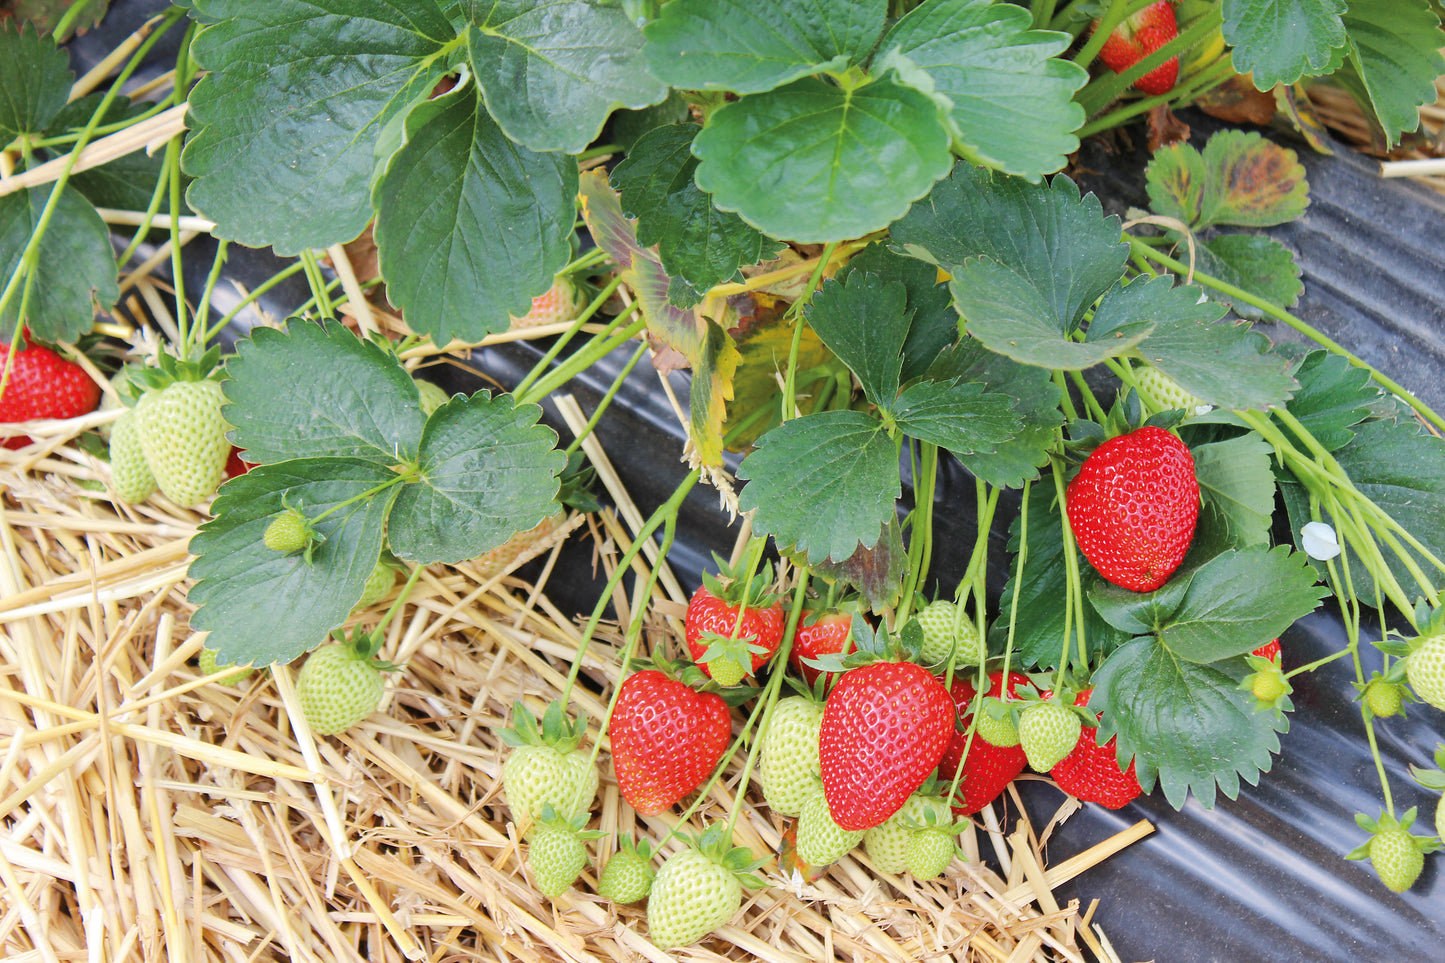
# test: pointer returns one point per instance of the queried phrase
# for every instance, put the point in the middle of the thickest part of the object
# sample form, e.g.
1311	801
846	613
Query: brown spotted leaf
1176	183
1240	179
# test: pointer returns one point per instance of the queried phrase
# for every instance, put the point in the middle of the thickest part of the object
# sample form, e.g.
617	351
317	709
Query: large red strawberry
1091	772
885	726
818	634
987	769
732	626
1138	37
666	739
42	384
1133	507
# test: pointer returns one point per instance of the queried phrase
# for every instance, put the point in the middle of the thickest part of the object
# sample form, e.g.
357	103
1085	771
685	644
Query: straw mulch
149	813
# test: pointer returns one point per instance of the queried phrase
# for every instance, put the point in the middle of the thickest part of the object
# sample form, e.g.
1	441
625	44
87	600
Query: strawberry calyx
1432	778
716	844
555	730
575	824
168	369
691	675
729	584
363	646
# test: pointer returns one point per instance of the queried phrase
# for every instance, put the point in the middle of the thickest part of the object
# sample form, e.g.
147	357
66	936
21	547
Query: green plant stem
143	230
1074	595
67	20
1091	403
795	312
561	342
582	360
204	307
606	401
1298	324
252	295
374	490
920	544
183	318
1065	399
412	575
318	284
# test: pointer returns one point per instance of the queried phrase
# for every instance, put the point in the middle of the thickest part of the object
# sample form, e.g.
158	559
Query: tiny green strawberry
789	754
183	436
1384	698
288	531
378	584
698	889
1048	731
947	633
1397	854
725	670
821	840
628	875
340	685
995	724
545	768
433	395
130	476
930	850
557	852
208	664
1166	391
1425	669
1267	683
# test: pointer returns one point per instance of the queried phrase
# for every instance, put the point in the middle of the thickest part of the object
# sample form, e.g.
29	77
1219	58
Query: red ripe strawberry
713	630
1138	37
1091	772
987	769
236	464
885	726
825	634
1133	506
42	384
666	739
1270	650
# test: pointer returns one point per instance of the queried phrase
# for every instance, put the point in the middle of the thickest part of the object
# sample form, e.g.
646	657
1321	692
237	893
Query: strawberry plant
860	232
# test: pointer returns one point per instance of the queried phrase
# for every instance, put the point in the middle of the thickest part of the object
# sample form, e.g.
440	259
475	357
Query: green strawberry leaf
823	484
1280	41
750	48
696	242
1333	397
1036	401
1239	600
75	266
1255	263
292	104
1188	727
35	81
962	417
262	606
317	390
815	162
486	470
934	324
1139	613
456	179
1240	179
1394	46
1219	362
1237	482
864	321
1008	99
552	70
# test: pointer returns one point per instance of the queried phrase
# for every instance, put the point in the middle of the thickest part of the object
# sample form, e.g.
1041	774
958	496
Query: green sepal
555	730
717	845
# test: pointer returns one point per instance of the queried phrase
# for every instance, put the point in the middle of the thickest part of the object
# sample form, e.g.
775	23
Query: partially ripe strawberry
1425	670
1133	507
42	384
563	301
1048	731
1091	772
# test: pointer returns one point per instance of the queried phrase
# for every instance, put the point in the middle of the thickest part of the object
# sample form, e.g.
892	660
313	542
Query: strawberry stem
590	354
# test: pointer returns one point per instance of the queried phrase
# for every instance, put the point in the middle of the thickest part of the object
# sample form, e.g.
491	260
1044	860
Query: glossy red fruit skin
1091	772
666	739
987	769
706	613
1138	37
1133	507
885	726
235	464
1270	650
42	384
829	634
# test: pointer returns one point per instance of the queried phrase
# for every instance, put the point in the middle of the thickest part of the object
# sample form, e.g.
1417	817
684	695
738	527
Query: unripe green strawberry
433	395
692	895
1048	731
725	670
820	840
940	638
997	730
1396	858
930	850
1440	817
562	302
1384	698
337	688
208	665
380	582
556	855
538	776
184	438
628	876
789	760
1268	686
289	531
1425	670
887	843
129	474
1166	391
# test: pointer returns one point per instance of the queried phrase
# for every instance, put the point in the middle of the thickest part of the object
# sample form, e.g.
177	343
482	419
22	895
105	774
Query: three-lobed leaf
1236	480
864	321
1238	179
